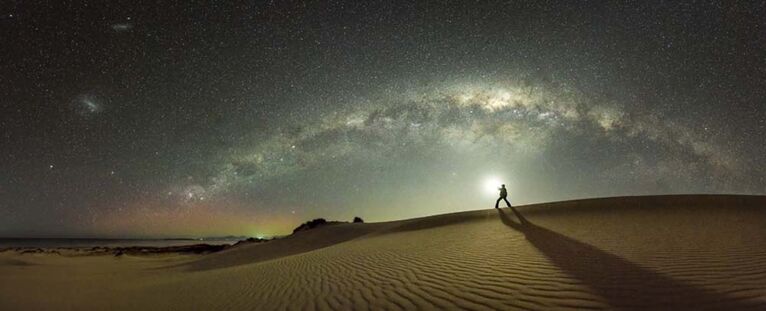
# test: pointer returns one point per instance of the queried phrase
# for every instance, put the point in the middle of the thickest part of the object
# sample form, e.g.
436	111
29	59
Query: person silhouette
503	195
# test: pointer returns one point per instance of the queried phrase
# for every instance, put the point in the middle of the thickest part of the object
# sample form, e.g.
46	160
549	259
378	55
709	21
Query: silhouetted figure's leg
506	202
498	202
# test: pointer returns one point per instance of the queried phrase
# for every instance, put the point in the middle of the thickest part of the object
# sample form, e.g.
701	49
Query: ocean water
54	243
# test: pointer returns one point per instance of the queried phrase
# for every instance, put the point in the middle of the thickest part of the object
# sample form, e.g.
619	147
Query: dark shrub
310	224
358	220
250	240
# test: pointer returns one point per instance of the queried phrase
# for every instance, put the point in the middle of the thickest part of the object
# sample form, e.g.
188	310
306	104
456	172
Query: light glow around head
491	184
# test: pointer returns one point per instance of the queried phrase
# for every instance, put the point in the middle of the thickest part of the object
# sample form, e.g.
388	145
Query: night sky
198	118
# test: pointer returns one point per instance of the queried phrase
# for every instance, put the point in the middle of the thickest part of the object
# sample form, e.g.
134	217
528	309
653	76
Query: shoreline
200	248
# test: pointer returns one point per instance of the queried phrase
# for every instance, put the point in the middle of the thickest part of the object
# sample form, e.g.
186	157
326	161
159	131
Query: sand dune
661	252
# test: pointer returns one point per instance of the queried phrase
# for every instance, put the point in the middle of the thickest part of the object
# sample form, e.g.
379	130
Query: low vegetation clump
251	240
318	222
311	224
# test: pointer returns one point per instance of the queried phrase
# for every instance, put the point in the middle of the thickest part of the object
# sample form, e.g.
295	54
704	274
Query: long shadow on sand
621	283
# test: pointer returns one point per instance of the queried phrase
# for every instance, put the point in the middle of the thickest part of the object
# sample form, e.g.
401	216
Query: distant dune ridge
693	252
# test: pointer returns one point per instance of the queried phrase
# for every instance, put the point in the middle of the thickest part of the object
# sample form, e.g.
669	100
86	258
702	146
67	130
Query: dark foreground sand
664	252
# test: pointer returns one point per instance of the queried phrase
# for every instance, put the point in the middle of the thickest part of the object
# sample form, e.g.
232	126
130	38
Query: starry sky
199	118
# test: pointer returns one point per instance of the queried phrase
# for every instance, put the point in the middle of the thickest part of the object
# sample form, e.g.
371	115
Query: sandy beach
658	252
